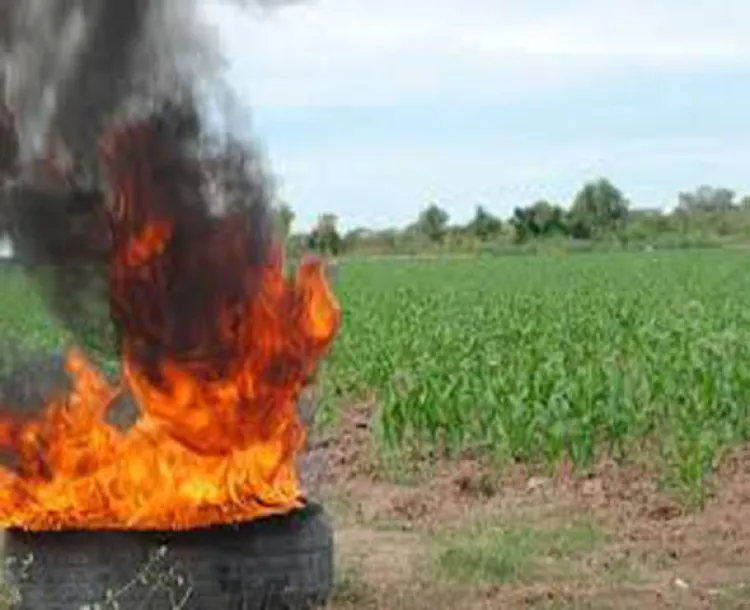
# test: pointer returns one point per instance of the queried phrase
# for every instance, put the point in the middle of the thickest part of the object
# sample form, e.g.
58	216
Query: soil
427	543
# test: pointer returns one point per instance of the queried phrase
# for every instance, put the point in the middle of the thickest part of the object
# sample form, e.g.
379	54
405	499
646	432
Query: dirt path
464	537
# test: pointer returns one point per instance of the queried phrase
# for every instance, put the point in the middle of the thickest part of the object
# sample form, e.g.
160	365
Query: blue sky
372	110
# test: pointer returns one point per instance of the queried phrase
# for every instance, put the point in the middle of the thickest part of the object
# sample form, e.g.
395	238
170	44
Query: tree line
599	212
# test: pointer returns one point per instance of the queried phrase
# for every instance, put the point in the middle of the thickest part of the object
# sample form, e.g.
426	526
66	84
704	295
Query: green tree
523	224
484	225
541	219
598	208
645	224
707	199
325	238
548	219
433	222
354	238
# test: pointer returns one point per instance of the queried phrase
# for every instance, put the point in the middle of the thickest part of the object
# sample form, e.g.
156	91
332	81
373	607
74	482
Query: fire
216	344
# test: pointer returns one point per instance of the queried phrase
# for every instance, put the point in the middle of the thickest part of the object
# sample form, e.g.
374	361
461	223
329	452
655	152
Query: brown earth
461	535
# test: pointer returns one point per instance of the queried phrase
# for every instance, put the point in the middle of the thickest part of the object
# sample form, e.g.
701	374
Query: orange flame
211	445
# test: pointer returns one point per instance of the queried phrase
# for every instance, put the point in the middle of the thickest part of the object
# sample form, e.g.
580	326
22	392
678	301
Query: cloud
371	109
355	52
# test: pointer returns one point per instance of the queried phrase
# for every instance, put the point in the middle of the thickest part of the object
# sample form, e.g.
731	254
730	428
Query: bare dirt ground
463	536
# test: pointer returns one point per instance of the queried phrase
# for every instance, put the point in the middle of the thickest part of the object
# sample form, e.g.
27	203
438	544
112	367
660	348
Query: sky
372	110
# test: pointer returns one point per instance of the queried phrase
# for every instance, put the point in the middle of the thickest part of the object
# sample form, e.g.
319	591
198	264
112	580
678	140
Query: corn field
531	358
540	358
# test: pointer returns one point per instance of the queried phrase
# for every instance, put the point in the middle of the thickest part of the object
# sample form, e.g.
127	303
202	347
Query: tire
283	562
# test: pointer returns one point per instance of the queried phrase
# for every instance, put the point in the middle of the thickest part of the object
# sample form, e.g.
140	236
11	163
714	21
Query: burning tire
167	225
277	562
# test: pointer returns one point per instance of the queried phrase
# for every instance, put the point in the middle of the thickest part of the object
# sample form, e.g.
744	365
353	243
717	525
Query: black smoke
73	65
72	69
177	305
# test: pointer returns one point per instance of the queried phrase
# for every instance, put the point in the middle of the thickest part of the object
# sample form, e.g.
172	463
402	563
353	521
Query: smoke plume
71	69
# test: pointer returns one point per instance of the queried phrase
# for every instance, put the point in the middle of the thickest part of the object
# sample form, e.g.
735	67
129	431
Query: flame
218	434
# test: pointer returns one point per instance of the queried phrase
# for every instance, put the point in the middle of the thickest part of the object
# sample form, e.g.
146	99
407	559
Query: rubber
283	562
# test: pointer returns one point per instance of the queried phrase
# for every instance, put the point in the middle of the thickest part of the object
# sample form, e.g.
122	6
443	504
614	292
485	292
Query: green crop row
537	358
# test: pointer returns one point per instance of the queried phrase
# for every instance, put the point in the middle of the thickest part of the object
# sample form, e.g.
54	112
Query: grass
530	556
732	598
498	554
23	316
28	326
